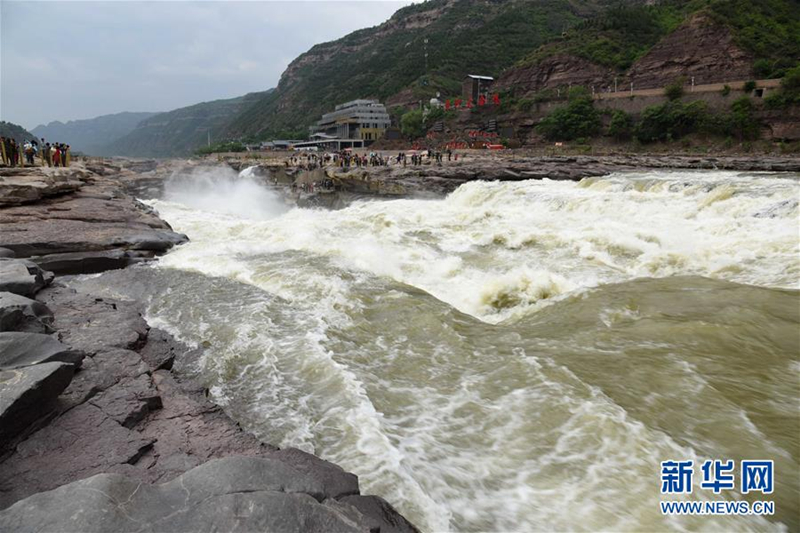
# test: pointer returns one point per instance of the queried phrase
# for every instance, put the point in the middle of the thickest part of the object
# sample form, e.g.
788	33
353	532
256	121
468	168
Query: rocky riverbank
101	429
432	179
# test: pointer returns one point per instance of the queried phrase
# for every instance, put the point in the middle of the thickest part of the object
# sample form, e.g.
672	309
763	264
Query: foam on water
461	423
501	250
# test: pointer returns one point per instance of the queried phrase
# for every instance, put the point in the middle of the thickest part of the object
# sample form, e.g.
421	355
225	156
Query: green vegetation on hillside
789	93
578	119
619	36
768	29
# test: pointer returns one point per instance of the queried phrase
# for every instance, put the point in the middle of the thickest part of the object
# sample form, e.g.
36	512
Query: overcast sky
67	60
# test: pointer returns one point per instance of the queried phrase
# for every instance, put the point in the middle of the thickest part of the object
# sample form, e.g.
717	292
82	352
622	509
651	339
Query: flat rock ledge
77	220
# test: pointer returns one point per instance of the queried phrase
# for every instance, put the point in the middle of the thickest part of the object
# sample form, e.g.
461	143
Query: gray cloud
70	60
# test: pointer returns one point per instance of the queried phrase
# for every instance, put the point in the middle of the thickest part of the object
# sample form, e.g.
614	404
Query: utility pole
209	137
426	55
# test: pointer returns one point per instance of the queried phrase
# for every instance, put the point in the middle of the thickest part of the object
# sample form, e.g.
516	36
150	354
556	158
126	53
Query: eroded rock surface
232	494
23	277
28	394
89	227
18	349
18	313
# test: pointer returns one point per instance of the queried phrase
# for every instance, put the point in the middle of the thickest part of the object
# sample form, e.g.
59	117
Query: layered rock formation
699	48
76	221
561	70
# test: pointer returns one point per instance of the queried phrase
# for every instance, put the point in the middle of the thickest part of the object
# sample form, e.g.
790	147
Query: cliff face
700	48
560	70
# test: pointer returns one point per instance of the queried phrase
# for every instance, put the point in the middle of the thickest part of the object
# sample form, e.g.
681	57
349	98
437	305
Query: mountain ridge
91	136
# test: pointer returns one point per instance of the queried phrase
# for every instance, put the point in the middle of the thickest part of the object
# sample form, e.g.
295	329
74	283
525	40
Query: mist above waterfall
223	190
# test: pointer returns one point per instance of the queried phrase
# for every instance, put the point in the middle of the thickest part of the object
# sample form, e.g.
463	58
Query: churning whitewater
516	356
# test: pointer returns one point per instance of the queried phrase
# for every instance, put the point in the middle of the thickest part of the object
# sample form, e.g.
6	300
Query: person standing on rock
28	149
11	149
43	151
67	156
3	151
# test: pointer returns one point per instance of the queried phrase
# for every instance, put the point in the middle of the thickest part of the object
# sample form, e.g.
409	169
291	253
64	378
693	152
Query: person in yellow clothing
3	150
43	152
68	156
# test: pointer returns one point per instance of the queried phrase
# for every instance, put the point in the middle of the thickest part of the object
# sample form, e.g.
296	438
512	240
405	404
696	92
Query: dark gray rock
129	401
82	442
84	262
382	515
232	494
98	373
338	483
18	313
23	277
158	241
28	394
189	430
19	348
6	253
161	348
90	324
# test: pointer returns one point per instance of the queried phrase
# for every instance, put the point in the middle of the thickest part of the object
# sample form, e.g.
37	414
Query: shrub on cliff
577	119
743	122
670	121
621	125
674	91
789	93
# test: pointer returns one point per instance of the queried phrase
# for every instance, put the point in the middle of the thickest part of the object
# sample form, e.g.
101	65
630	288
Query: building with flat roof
475	86
365	120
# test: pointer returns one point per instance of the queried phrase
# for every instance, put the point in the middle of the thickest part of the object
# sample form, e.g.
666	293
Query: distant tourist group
346	159
16	154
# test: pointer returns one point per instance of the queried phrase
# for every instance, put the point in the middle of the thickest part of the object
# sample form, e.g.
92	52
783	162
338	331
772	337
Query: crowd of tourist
19	154
346	159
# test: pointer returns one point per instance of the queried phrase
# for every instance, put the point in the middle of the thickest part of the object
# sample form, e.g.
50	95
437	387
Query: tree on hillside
577	119
743	121
621	125
411	124
674	91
